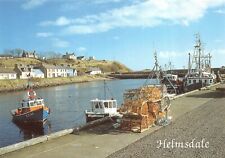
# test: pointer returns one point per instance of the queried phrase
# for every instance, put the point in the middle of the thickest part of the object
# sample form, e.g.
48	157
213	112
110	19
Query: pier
94	142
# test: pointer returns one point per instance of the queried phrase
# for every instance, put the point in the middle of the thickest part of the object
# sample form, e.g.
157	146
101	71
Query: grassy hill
80	65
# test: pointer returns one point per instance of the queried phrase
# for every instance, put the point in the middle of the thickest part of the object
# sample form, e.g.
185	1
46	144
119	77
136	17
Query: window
114	104
110	104
194	81
100	105
96	105
31	103
39	102
189	81
205	81
210	81
106	104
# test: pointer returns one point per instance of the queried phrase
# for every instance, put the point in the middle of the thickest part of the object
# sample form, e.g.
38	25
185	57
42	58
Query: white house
94	71
7	74
6	56
52	71
69	56
71	72
26	54
91	58
24	71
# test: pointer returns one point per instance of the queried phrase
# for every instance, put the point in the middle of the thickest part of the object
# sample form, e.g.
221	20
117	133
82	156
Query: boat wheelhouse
101	108
206	79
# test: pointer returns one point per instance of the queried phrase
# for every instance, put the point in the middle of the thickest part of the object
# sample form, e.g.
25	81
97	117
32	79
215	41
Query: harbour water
67	104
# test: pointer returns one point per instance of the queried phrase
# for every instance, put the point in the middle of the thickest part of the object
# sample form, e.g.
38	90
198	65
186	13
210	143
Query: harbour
83	109
67	104
93	142
112	79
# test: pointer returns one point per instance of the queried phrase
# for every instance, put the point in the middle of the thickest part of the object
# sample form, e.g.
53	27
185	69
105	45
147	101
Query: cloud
220	11
56	42
61	21
81	49
30	4
44	34
148	13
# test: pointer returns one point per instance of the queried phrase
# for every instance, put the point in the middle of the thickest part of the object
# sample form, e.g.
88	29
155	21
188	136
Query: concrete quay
92	143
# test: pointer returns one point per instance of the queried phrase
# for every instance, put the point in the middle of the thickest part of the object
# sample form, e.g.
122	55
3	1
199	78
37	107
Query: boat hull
93	117
36	116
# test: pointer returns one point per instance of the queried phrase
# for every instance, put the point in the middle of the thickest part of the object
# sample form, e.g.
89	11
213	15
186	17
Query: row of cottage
41	71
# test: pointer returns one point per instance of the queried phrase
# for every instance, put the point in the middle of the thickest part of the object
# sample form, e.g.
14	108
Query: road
204	124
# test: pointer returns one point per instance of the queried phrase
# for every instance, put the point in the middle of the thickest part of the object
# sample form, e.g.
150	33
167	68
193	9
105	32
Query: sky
128	31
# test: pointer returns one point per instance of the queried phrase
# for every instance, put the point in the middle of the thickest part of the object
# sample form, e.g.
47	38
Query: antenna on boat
104	90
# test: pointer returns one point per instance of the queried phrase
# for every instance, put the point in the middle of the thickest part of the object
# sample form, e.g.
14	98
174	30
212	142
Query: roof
6	70
37	71
4	55
69	54
48	66
79	57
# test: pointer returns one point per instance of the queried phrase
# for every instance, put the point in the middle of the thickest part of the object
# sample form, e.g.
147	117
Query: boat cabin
204	79
104	106
32	102
171	77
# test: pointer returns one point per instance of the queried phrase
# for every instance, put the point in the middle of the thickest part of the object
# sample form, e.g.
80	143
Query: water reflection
28	131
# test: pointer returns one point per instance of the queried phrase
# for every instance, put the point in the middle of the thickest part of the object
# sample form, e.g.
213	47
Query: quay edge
45	138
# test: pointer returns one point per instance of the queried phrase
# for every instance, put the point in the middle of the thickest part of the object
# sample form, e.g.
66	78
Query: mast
198	55
189	63
210	61
170	66
199	52
157	68
104	89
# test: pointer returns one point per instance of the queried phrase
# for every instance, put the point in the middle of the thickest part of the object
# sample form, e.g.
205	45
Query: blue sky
125	30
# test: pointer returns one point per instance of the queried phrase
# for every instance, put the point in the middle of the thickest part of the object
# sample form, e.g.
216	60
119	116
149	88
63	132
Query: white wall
9	76
95	72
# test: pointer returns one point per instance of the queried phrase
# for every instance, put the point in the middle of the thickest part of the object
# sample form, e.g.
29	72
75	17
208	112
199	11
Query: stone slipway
91	144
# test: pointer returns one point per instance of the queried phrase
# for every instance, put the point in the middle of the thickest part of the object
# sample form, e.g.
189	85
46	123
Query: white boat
199	69
102	108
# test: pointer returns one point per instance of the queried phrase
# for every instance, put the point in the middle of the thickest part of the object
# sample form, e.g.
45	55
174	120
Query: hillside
80	65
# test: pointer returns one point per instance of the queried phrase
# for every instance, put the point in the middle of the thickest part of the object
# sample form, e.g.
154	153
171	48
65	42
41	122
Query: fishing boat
173	83
199	69
32	109
101	108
